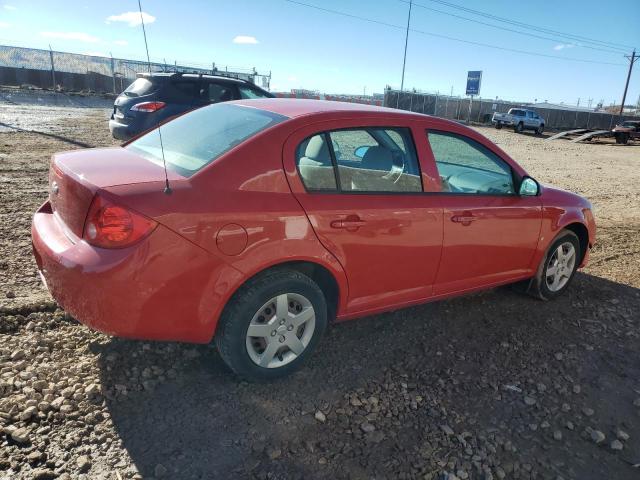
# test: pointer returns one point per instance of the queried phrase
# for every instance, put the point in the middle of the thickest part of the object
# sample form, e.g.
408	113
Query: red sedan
283	215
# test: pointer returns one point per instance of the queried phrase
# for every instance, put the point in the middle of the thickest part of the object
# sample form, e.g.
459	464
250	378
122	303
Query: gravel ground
488	386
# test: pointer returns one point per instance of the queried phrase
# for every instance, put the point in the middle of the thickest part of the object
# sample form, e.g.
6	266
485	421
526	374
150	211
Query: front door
361	188
490	232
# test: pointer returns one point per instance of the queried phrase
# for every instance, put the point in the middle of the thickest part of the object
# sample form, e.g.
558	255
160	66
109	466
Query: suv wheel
540	129
519	127
498	125
558	267
271	325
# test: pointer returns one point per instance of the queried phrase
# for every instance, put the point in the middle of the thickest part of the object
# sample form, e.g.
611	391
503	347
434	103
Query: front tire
558	267
540	129
498	126
271	325
519	127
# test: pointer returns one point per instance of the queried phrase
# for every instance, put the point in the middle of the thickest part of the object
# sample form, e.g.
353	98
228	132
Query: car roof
193	76
298	107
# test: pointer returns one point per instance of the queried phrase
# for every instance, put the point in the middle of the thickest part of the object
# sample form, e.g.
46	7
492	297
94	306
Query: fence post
435	107
611	122
113	74
53	70
411	102
479	109
446	105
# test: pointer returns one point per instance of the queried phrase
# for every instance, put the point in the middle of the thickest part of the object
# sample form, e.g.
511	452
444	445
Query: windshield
196	139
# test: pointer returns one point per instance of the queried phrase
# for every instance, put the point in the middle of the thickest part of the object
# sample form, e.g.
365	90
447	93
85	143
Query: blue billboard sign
474	79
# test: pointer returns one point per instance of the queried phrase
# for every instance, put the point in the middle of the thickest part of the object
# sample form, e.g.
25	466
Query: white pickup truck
520	119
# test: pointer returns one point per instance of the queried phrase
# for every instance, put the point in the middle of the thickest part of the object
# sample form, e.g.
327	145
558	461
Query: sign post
474	78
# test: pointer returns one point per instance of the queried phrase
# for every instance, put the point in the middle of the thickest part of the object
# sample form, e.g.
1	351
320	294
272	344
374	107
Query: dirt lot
489	386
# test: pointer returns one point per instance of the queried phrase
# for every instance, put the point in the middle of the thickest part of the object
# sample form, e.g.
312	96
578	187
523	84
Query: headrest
378	158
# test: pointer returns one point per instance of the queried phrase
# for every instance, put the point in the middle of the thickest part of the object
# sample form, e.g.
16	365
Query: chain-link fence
74	72
481	110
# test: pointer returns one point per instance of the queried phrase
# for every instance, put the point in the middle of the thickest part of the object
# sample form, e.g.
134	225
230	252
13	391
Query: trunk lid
76	176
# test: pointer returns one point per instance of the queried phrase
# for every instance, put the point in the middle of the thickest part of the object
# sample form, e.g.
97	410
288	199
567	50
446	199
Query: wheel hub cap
281	330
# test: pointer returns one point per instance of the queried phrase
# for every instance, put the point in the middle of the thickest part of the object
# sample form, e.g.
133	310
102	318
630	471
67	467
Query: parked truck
520	119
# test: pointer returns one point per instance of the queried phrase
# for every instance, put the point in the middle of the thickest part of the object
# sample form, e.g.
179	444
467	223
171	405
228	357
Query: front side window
367	160
466	167
218	92
196	139
247	92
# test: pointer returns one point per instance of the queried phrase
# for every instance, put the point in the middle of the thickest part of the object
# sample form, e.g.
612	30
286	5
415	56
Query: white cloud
4	25
122	43
132	18
245	40
78	36
6	6
562	46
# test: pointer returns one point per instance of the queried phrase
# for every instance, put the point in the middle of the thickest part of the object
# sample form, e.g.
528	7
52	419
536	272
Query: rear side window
185	89
196	139
365	160
141	86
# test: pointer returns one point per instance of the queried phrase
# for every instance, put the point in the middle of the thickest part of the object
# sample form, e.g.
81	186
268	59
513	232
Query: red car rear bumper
163	288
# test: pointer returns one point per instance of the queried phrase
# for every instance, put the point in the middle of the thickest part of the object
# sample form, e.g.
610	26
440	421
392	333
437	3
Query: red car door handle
349	223
464	219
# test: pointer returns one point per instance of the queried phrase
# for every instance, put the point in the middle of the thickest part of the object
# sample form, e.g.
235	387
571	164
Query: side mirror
529	187
361	151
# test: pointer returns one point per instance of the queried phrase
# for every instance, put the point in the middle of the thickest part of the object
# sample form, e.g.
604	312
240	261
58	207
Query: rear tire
540	129
518	128
287	312
498	126
558	267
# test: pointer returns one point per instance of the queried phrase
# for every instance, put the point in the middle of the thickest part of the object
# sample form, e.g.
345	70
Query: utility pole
632	60
406	41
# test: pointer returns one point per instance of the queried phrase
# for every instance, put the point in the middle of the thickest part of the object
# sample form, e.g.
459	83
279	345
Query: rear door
361	187
490	232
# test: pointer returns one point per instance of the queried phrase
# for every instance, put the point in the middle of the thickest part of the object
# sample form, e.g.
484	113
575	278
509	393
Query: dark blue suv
155	97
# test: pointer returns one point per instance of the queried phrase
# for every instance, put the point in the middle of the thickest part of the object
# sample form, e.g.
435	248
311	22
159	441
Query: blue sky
309	48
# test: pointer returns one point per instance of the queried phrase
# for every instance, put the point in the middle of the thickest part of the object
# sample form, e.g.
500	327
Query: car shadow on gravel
181	414
77	143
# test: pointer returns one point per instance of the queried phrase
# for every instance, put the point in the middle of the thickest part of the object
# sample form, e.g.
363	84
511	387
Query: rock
622	435
557	435
636	402
569	425
576	389
17	355
616	445
28	413
559	356
160	470
321	417
84	463
588	411
447	430
274	453
597	436
20	436
43	474
530	401
367	427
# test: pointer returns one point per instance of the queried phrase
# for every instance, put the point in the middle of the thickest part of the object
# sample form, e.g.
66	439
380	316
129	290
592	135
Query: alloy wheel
280	330
560	266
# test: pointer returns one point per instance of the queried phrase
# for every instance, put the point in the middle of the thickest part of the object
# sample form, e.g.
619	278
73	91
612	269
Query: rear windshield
196	139
141	86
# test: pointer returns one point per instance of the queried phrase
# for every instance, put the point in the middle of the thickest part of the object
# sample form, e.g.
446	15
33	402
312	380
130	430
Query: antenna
167	188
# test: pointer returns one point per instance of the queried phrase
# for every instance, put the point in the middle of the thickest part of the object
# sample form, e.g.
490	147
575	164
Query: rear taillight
109	225
148	106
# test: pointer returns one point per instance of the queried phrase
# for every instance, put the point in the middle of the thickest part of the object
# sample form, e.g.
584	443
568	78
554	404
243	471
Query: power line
533	27
609	50
468	42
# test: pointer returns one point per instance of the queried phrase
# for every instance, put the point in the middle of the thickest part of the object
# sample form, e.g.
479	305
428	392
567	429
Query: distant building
561	106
